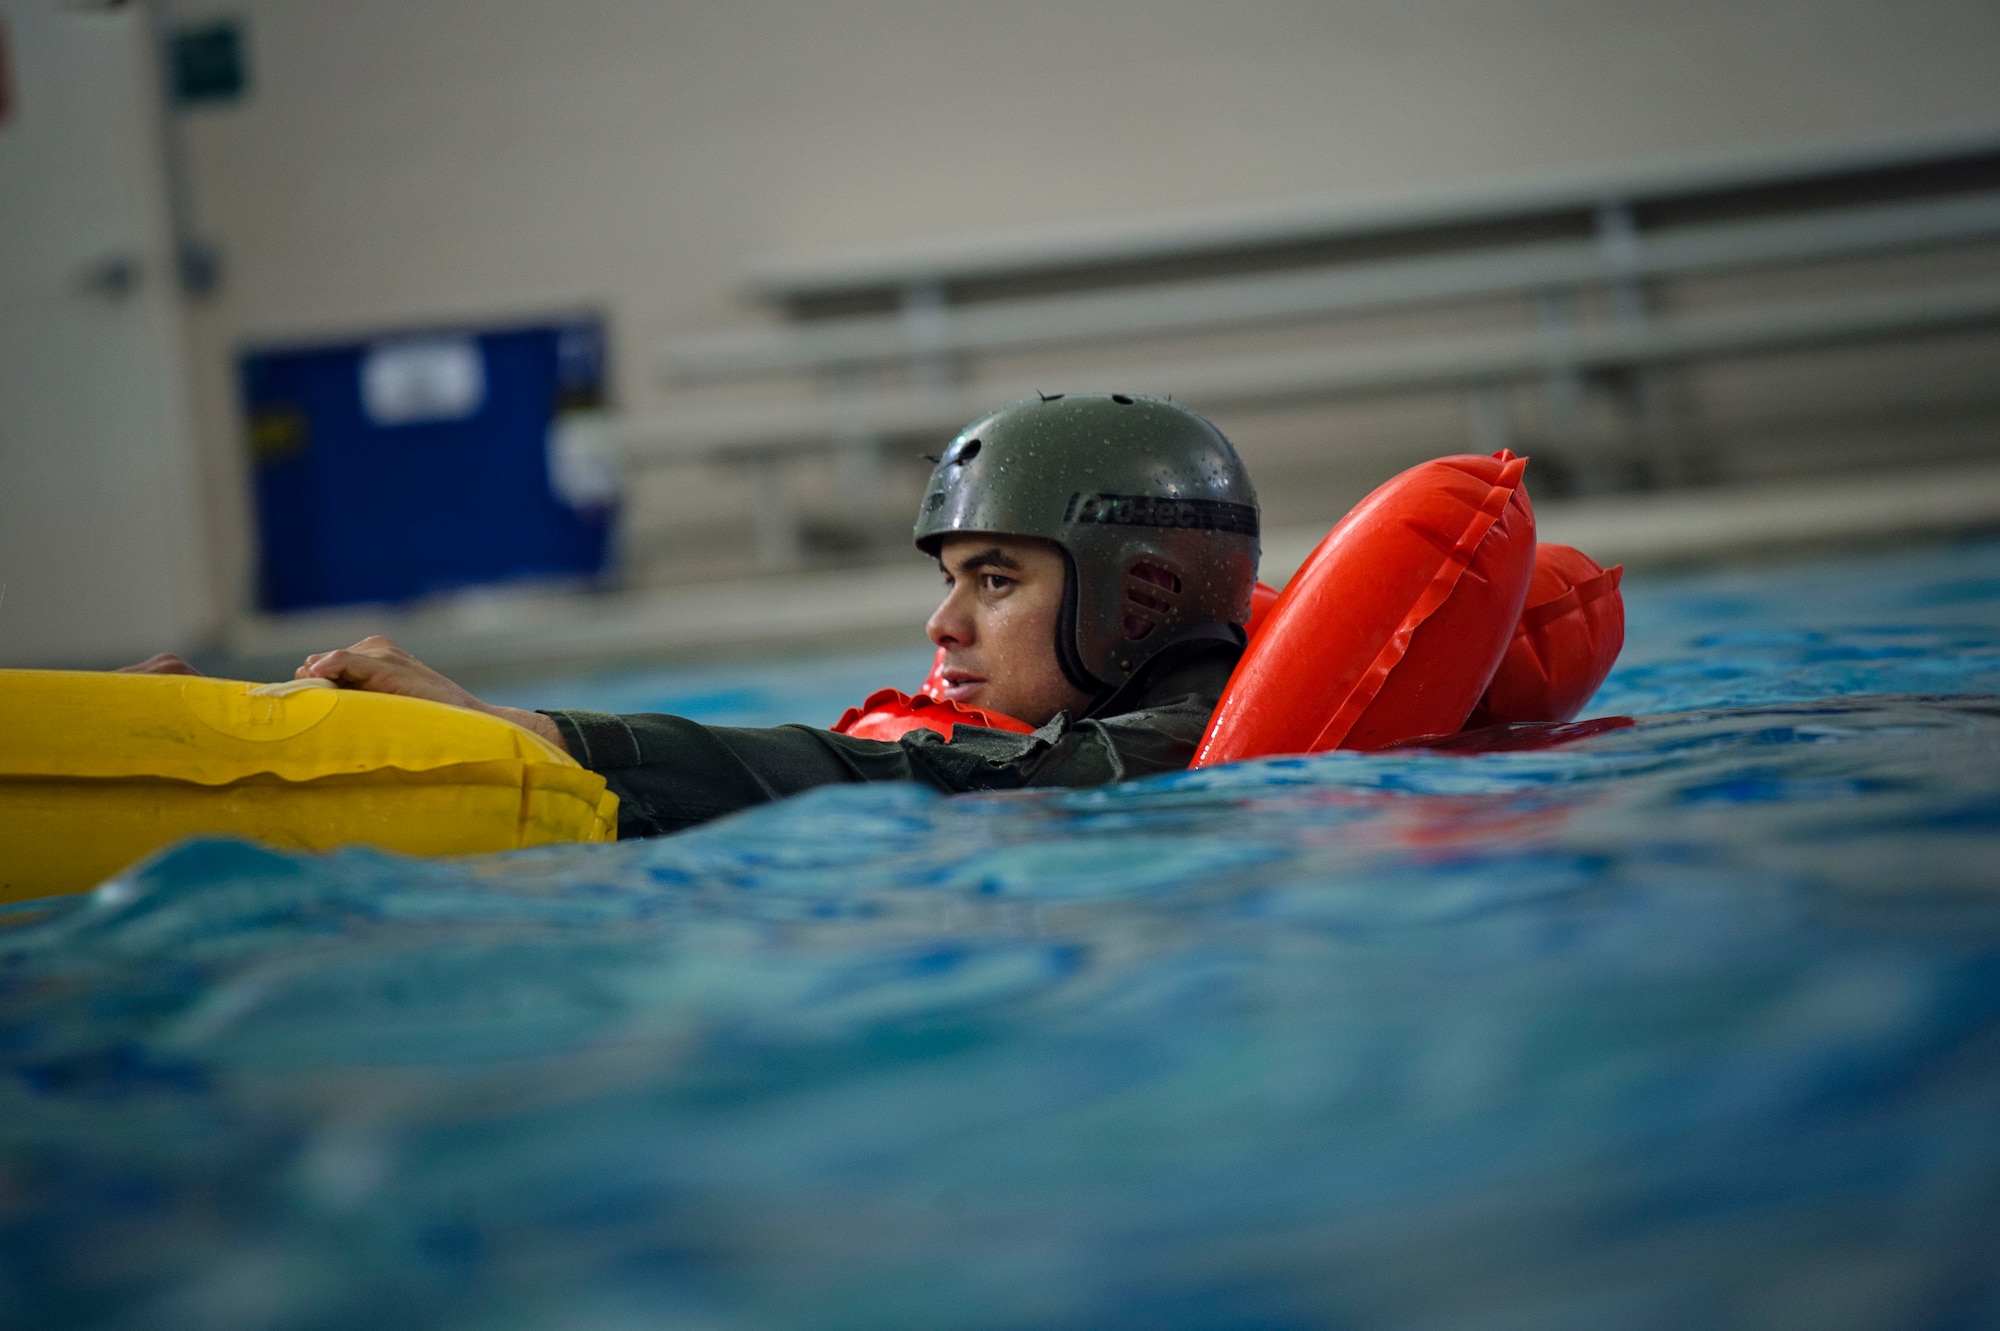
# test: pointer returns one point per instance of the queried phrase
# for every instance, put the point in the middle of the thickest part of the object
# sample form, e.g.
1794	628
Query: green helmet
1148	500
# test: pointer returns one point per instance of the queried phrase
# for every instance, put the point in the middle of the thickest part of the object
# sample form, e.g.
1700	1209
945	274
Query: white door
101	538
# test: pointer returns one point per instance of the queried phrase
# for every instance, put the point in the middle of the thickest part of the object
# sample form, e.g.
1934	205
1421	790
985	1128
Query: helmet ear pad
1068	658
1157	581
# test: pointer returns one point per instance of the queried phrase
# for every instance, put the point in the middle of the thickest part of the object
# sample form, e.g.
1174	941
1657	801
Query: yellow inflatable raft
96	770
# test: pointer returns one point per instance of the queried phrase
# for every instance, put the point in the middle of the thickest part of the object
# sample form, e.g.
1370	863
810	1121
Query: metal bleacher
1559	280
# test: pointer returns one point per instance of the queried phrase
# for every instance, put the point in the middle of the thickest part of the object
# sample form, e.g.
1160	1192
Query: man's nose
949	624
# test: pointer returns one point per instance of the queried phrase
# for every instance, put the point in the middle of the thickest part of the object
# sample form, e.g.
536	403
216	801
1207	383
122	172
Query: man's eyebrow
992	558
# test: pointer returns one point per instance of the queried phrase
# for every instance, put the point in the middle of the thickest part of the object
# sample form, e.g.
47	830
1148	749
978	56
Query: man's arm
670	772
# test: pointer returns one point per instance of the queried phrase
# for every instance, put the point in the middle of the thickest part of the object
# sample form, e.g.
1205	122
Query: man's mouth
961	685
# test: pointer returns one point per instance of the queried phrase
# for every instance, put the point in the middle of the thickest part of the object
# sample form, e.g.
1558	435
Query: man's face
997	626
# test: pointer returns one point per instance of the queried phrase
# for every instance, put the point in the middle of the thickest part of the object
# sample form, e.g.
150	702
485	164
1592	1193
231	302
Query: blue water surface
1693	1022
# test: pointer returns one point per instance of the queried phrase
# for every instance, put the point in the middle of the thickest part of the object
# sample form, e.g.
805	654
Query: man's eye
995	582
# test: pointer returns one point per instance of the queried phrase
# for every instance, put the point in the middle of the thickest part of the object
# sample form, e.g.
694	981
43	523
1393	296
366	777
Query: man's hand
378	665
160	663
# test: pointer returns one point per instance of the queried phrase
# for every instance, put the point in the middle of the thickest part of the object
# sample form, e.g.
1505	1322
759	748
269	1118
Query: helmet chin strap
1190	641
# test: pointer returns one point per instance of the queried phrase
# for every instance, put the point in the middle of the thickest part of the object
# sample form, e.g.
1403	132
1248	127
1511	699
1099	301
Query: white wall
413	160
102	545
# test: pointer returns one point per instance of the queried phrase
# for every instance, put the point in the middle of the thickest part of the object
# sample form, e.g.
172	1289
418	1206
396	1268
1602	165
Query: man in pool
1098	553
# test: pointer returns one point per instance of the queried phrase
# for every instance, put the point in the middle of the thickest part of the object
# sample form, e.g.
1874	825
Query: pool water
1693	1022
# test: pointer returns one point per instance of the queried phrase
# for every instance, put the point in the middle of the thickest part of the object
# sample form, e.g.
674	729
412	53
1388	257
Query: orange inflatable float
891	714
1394	625
1564	646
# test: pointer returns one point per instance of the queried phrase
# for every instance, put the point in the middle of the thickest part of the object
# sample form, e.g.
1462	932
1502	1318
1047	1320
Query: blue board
399	466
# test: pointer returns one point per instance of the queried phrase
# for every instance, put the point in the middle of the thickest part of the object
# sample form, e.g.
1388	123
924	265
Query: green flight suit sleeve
670	773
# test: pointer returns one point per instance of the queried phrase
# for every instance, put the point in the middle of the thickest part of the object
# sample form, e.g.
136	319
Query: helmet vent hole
1121	399
964	453
1150	593
1156	575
